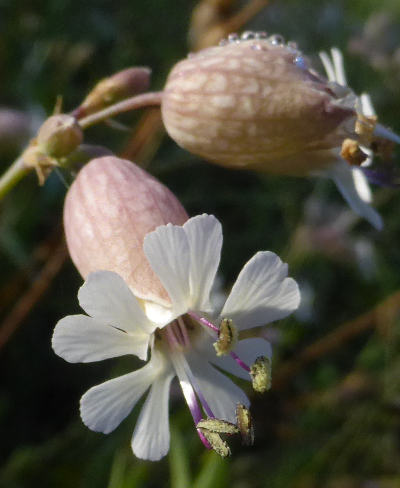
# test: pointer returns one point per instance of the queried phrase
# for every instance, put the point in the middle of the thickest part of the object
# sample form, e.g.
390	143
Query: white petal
262	292
106	297
151	437
340	74
328	66
167	250
221	394
78	338
366	106
105	406
204	233
354	187
381	131
248	351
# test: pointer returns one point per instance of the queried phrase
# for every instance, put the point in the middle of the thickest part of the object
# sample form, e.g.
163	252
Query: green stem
12	176
133	103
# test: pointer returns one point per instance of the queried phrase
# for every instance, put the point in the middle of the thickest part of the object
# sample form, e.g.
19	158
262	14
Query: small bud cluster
58	137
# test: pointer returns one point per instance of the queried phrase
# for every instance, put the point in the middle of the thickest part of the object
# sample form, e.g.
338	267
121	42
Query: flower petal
167	250
221	394
106	297
105	406
204	233
262	292
78	338
353	185
248	350
151	436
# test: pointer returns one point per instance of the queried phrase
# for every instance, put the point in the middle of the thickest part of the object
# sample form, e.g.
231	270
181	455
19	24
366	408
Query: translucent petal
151	436
262	292
354	187
78	338
204	233
220	392
106	297
248	350
167	250
105	406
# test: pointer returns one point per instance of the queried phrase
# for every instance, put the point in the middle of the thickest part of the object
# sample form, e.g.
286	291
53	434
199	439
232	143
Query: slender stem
203	321
241	363
133	103
12	176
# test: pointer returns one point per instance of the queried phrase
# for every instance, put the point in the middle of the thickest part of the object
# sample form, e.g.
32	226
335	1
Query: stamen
241	363
183	371
261	374
190	397
171	337
204	321
227	337
245	424
185	335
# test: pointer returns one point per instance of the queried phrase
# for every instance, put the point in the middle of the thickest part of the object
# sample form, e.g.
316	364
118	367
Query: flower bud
59	136
109	208
123	84
253	102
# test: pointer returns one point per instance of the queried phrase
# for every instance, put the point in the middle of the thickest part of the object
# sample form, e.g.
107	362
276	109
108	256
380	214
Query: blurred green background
332	418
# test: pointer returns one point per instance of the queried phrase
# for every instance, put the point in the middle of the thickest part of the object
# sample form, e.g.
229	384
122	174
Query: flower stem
12	176
133	103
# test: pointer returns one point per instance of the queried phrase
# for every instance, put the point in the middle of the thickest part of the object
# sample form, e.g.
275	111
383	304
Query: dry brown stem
31	297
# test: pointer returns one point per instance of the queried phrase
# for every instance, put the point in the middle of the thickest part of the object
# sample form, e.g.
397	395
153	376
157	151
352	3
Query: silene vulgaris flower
255	102
187	338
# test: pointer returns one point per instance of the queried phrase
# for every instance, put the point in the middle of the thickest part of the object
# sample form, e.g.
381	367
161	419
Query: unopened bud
245	424
260	373
227	338
59	136
253	102
121	85
109	208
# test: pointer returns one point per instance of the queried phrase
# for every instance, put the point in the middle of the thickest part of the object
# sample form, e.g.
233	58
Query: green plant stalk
12	176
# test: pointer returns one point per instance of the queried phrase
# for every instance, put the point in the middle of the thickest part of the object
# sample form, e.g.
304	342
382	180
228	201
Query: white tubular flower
180	337
351	180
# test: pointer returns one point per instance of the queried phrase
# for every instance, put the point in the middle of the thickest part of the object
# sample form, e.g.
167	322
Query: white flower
180	337
351	180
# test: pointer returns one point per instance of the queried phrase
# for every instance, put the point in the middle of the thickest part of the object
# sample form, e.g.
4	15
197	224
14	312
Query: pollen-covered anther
217	444
245	424
260	373
227	337
218	426
352	153
212	429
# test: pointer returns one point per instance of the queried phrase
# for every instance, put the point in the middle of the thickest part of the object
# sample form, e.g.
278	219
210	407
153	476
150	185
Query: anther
212	430
227	337
260	373
245	424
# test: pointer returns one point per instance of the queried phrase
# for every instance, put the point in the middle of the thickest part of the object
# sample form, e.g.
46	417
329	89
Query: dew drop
276	40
